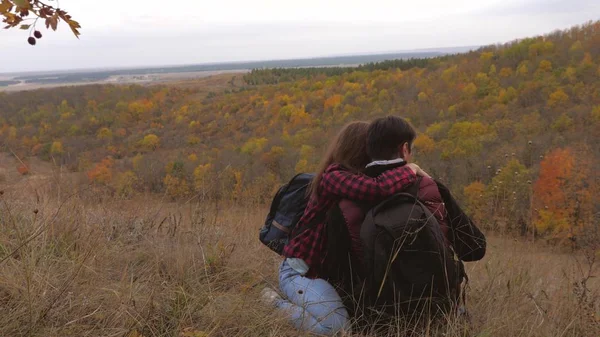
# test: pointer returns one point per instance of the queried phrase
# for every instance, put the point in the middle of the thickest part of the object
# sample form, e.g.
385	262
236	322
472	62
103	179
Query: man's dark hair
385	136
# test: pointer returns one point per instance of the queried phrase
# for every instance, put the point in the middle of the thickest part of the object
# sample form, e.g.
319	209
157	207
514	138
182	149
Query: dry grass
149	268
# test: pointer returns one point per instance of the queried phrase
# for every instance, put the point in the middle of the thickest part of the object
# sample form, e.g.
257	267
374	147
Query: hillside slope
493	124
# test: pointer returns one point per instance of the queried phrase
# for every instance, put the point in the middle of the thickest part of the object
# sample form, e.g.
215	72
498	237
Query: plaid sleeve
341	183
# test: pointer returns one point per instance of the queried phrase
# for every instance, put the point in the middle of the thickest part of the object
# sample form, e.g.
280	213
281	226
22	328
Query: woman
311	301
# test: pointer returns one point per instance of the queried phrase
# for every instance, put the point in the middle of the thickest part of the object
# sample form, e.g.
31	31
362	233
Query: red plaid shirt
337	183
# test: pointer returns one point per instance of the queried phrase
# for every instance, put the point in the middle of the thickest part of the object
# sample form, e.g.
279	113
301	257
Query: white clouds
122	33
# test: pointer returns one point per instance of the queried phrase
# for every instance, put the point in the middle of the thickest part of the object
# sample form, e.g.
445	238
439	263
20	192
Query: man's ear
405	150
400	151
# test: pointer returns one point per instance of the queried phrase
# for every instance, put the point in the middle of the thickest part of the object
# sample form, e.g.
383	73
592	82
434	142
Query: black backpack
286	210
409	268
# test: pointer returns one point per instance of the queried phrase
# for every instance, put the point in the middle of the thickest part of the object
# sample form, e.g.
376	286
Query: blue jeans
313	304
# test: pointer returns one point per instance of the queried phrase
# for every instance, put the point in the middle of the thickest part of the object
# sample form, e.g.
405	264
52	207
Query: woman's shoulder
335	167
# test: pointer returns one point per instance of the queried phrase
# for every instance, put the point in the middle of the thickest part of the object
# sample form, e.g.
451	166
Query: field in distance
28	81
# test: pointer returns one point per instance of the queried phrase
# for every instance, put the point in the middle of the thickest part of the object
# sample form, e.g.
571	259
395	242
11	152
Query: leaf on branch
22	3
12	20
45	12
23	12
74	25
5	6
52	22
25	27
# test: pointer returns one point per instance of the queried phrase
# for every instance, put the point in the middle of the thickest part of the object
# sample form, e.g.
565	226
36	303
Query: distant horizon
131	34
441	51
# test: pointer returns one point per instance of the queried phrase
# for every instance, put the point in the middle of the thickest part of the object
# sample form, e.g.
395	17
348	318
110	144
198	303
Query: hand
418	171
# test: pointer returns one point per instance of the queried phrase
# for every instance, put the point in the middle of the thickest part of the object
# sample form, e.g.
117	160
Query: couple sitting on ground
365	165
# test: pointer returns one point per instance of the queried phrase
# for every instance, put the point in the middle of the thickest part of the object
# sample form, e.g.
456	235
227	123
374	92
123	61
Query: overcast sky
133	33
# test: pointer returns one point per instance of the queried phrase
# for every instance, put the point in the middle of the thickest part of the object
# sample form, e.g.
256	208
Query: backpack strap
411	192
463	289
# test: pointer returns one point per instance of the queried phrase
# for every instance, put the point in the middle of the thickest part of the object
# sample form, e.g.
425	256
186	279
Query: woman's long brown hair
348	148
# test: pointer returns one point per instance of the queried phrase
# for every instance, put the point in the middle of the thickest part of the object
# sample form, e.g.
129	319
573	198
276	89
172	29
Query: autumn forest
512	129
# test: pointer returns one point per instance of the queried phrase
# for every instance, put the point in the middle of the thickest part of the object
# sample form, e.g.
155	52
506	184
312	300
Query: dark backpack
286	210
409	268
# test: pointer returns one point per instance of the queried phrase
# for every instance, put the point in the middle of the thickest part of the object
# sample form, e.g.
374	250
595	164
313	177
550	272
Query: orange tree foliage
565	191
477	112
102	173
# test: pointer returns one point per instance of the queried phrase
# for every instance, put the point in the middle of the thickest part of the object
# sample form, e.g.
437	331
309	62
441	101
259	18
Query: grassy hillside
134	211
493	124
147	267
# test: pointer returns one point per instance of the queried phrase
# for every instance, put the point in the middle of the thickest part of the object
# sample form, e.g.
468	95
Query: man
389	144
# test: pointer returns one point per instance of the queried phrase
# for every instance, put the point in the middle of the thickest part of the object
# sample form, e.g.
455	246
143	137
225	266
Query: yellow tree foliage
202	176
449	75
424	144
307	151
508	195
476	200
254	146
436	130
104	134
139	110
545	66
136	161
150	142
470	90
12	133
466	139
57	148
125	183
486	56
193	140
301	166
506	72
562	123
595	114
176	187
523	70
557	98
299	117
